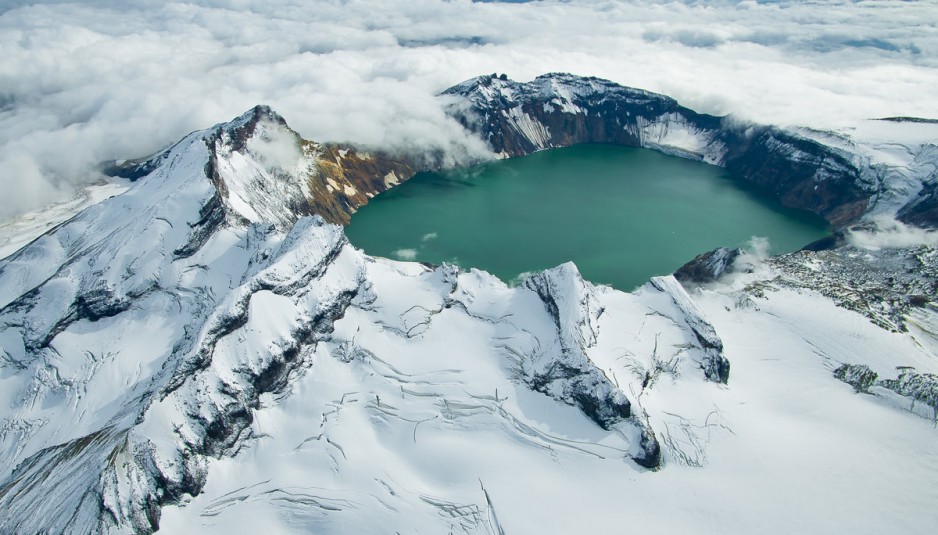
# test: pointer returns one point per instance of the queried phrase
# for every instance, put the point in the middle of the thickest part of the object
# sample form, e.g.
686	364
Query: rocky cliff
558	110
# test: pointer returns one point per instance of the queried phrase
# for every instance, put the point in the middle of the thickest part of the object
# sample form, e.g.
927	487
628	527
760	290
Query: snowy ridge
411	417
565	89
79	326
423	391
713	363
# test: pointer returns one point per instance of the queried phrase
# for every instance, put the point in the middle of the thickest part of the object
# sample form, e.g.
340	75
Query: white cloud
758	247
889	233
405	254
275	149
81	83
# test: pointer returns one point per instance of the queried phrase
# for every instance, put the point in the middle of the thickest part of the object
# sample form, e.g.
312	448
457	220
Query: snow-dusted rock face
144	338
922	210
567	373
557	110
707	267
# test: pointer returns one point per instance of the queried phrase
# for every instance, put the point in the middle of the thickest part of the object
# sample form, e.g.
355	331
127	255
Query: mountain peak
243	126
261	168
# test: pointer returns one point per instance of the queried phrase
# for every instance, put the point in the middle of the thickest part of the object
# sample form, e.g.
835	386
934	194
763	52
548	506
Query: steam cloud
889	233
109	79
405	254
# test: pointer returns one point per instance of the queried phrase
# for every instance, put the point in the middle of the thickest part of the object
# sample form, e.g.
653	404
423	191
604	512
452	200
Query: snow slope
18	232
430	437
409	445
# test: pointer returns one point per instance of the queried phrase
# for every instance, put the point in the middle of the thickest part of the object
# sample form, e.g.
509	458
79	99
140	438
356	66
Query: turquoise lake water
621	214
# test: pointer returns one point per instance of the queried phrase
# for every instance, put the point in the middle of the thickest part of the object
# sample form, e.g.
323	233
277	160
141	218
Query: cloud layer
109	79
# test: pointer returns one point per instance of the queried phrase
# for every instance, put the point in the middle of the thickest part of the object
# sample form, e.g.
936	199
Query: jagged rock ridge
707	267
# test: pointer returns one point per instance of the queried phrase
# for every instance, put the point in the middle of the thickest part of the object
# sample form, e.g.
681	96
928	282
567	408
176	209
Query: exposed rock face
922	211
859	376
917	387
707	267
558	110
360	174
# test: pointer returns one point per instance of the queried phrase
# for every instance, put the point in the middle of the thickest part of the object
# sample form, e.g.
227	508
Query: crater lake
621	214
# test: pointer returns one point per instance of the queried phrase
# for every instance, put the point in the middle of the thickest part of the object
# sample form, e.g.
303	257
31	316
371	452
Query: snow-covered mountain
206	352
140	337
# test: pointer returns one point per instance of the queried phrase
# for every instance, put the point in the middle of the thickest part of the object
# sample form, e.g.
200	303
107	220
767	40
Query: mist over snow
889	233
106	79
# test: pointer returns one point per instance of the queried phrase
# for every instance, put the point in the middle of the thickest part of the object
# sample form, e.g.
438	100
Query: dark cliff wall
566	110
923	210
801	173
